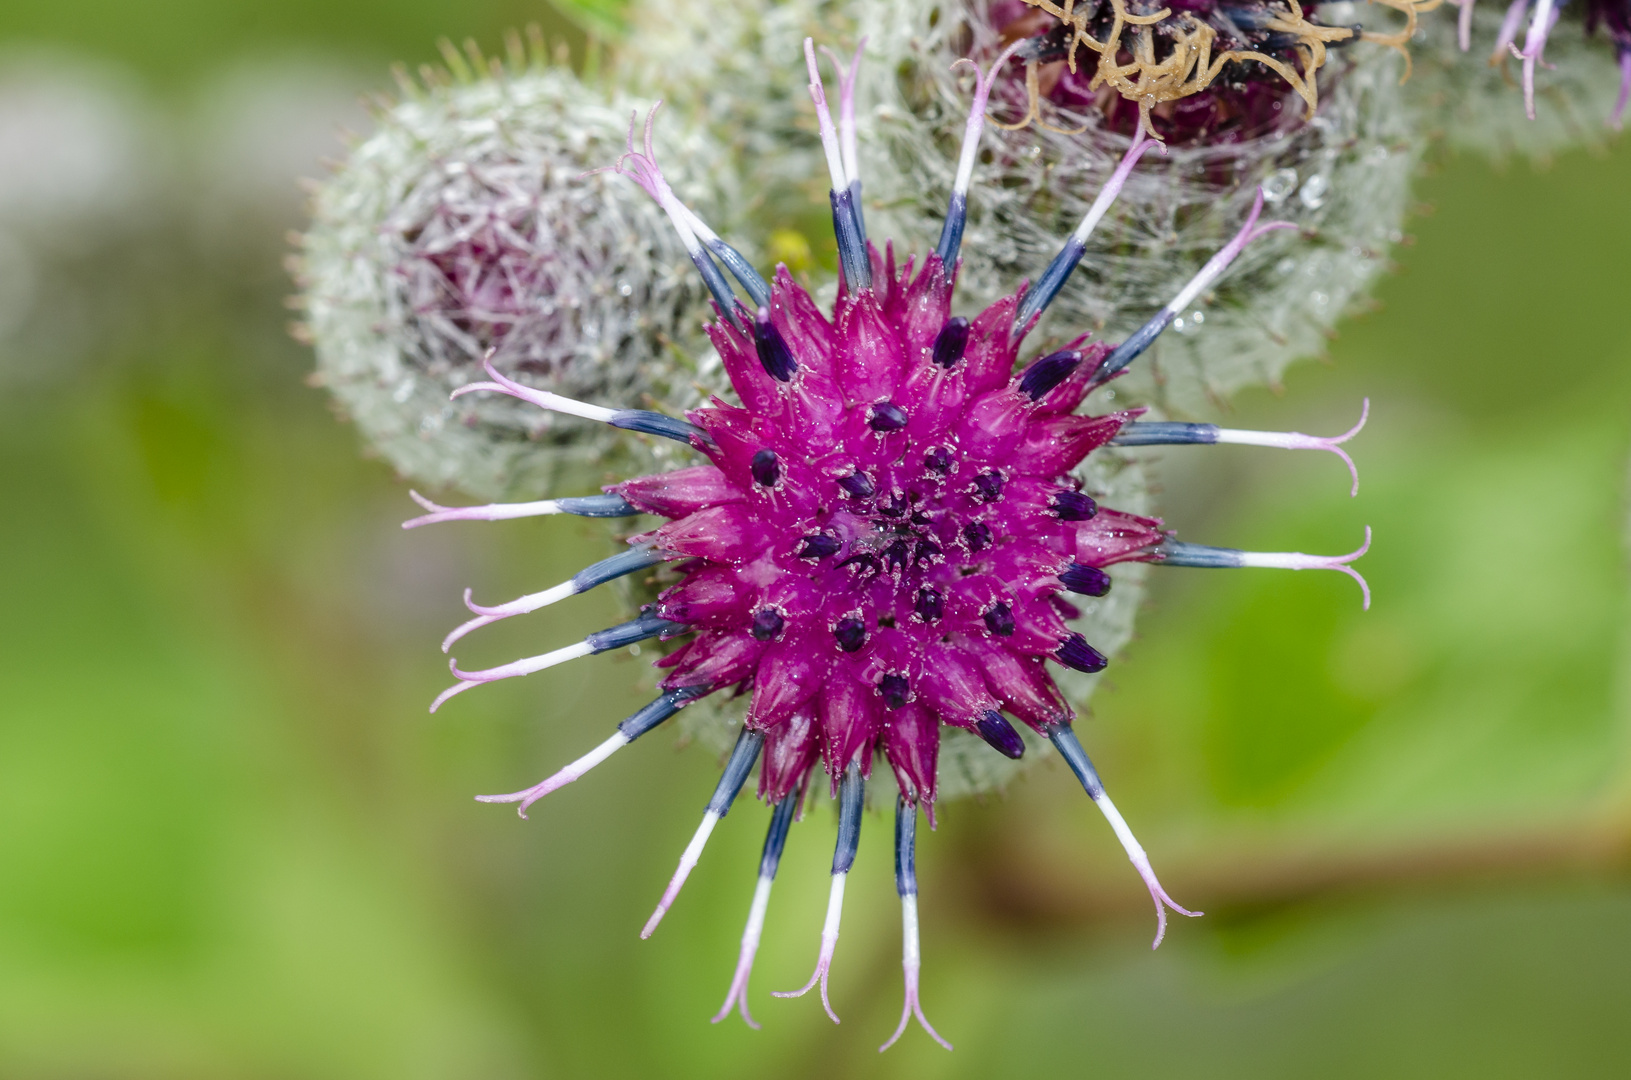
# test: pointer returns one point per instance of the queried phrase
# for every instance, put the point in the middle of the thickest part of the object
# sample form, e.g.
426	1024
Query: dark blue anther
927	552
767	623
657	711
851	801
646	626
977	534
938	460
852	253
1087	580
1040	295
766	469
1177	553
858	484
626	562
655	423
599	506
1075	652
951	233
951	343
896	555
1129	350
851	634
895	689
999	619
776	837
930	604
989	486
757	288
718	286
818	546
1070	748
774	354
1073	506
741	762
1164	433
886	416
1000	734
1048	373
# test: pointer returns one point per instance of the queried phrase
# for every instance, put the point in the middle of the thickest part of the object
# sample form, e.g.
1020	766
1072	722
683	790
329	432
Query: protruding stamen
1144	336
615	637
774	354
848	151
780	821
951	233
630	729
1065	741
1053	278
651	423
1086	580
895	690
585	506
641	167
999	619
818	546
911	953
851	798
1075	652
1168	433
625	562
846	213
1048	373
950	343
1534	46
1177	553
746	752
999	734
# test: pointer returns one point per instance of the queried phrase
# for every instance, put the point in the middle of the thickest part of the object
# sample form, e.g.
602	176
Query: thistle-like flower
878	541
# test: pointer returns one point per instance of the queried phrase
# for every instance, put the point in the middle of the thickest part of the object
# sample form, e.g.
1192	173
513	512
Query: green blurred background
233	844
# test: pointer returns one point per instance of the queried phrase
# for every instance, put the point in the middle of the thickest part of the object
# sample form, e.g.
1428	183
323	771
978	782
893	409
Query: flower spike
642	721
1169	433
851	800
641	167
1177	553
742	759
646	626
1053	278
951	233
627	562
775	839
641	420
846	212
911	953
1144	336
1070	748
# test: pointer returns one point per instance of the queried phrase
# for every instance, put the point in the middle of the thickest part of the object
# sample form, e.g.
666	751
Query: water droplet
1279	185
1197	317
1313	191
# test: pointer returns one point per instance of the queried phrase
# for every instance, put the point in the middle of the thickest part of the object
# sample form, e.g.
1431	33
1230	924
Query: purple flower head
1187	72
874	544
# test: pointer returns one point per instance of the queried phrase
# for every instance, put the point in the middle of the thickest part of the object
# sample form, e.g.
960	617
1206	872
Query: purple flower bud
766	468
886	416
1087	580
1073	506
1075	652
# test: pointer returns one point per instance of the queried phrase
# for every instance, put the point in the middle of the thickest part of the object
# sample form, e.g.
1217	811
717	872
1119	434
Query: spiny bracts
881	539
